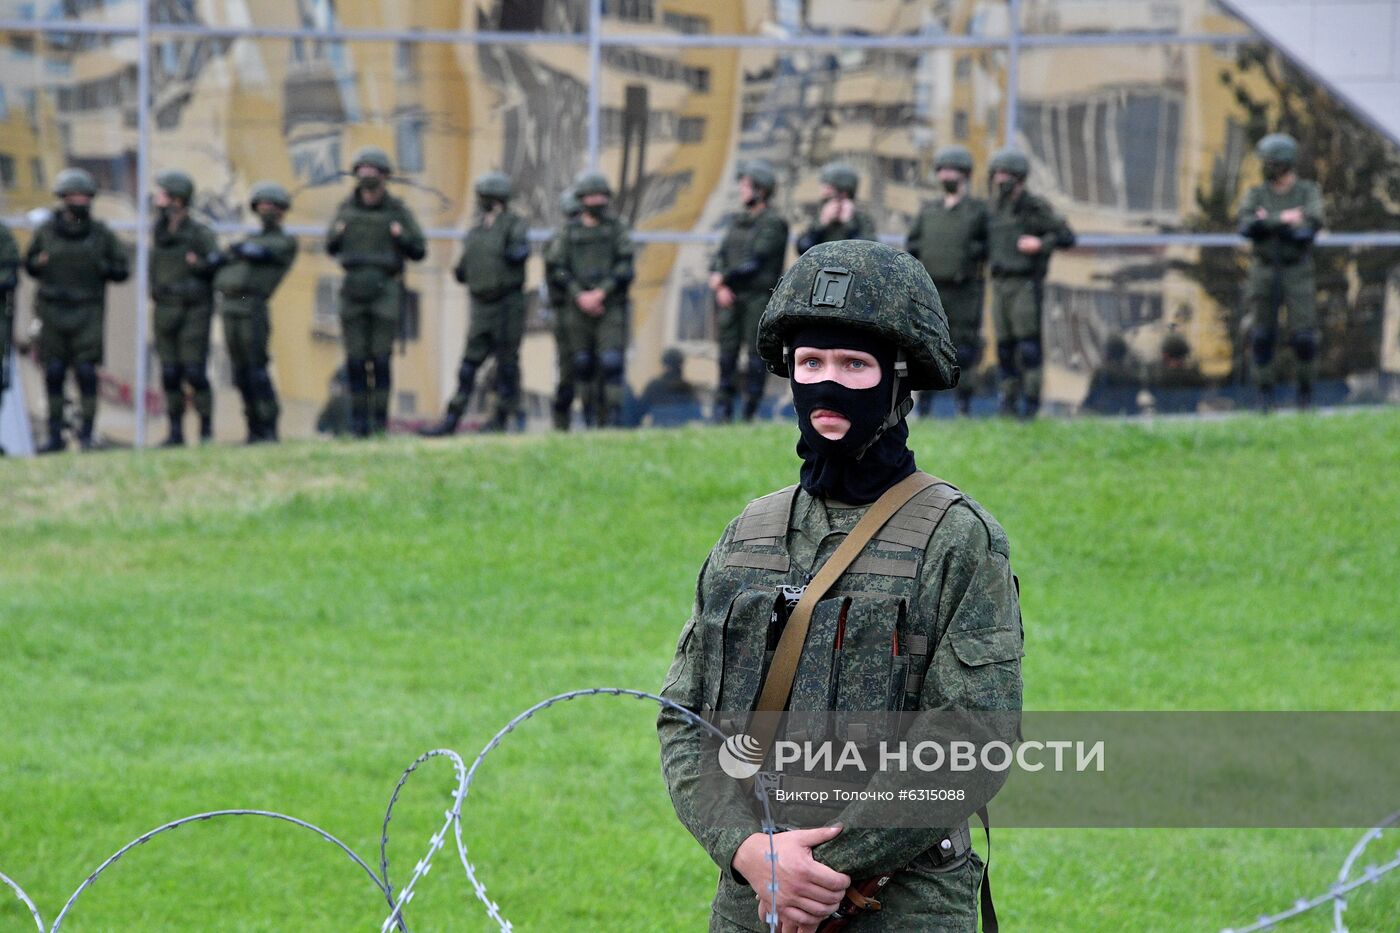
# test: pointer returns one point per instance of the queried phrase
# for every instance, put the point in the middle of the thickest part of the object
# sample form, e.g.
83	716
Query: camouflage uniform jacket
1274	240
949	594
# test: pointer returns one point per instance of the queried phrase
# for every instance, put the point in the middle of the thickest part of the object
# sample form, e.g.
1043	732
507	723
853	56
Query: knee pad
1006	357
196	376
54	371
1304	345
728	368
241	379
170	377
382	371
584	363
612	363
1262	346
508	375
968	354
260	382
357	375
1029	354
87	378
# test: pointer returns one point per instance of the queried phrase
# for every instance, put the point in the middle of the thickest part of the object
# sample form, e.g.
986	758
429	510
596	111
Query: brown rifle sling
777	686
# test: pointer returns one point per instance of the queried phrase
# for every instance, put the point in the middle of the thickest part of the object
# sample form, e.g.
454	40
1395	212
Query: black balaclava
951	185
858	468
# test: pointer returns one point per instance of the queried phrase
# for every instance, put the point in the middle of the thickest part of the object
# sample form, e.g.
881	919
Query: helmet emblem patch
831	286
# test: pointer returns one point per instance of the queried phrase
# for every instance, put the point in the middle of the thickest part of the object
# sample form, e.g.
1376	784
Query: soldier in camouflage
559	305
373	233
1282	216
250	272
839	218
9	281
1023	230
492	267
949	236
855	326
72	257
593	267
747	265
183	252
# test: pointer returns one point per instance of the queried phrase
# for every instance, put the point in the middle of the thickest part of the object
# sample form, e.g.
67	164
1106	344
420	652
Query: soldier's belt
59	294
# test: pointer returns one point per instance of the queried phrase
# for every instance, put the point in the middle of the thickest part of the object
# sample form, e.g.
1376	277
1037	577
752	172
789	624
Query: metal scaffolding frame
594	40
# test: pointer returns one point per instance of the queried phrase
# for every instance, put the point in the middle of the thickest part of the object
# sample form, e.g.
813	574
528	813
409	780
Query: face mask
1273	171
486	205
865	409
595	210
1006	187
951	185
752	200
79	211
371	182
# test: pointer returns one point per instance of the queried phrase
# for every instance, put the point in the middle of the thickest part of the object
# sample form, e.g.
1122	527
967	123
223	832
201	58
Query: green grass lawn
288	628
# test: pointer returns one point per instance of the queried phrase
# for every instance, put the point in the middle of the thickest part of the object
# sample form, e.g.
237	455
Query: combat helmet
374	156
493	185
176	184
272	193
1010	160
841	176
760	174
74	181
568	203
591	183
958	157
867	285
1278	147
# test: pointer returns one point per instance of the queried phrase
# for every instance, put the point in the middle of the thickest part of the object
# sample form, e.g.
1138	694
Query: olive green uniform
245	284
560	305
9	281
1017	286
860	227
184	306
750	259
83	256
590	257
949	599
492	267
371	296
1281	273
951	243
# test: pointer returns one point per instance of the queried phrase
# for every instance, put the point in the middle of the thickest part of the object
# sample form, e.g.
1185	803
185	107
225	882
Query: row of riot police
956	236
72	256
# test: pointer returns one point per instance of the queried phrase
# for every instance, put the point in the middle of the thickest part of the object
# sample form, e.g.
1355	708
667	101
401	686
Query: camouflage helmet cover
272	193
177	184
841	176
760	174
74	181
591	183
867	285
1010	160
1278	147
494	185
372	156
958	157
568	203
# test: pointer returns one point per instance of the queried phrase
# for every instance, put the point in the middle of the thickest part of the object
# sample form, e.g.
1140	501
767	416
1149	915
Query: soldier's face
745	190
161	198
77	200
950	175
854	369
828	192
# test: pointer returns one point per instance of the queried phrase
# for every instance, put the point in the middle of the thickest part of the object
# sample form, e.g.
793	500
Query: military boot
444	428
206	429
750	409
176	435
561	419
1032	407
1266	399
55	444
85	435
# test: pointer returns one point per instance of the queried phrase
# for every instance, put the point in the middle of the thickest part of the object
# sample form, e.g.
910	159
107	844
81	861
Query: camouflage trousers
1268	291
963	303
599	346
71	338
495	330
182	343
247	331
368	328
918	899
737	327
1016	320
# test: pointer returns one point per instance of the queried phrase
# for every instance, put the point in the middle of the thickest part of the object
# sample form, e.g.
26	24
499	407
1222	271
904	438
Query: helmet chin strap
898	409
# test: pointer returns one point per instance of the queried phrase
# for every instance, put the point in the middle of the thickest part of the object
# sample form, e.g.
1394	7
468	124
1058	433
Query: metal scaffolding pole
595	71
1013	72
143	212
